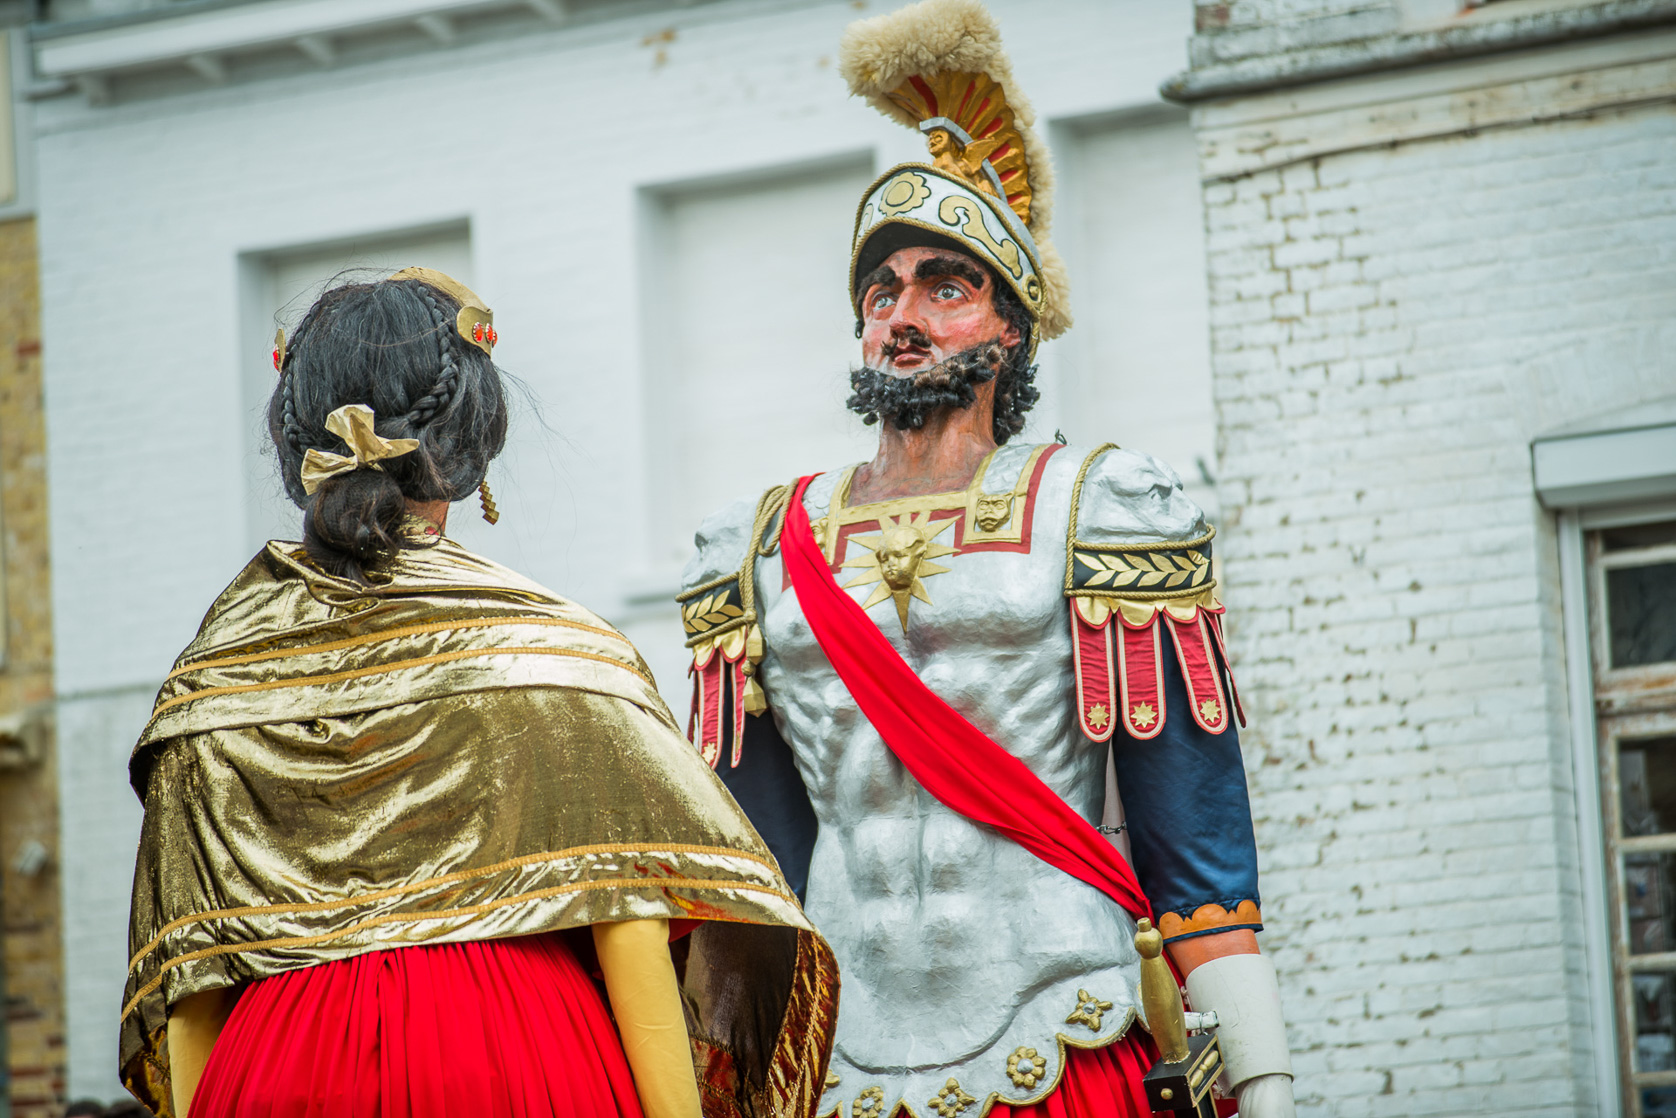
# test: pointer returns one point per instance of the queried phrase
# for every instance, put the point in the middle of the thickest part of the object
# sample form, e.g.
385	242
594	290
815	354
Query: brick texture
1389	330
30	925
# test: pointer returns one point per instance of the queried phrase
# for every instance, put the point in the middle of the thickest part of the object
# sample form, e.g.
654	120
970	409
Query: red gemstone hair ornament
475	320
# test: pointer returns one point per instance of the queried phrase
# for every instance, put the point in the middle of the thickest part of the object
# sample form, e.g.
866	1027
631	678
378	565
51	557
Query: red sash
954	760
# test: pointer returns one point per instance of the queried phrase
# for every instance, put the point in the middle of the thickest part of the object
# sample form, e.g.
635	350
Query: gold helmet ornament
938	66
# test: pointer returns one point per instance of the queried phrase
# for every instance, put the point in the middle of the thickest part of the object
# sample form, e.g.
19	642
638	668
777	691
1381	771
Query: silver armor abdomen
959	950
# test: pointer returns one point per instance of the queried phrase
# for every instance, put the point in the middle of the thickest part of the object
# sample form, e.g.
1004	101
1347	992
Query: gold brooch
951	1100
870	1104
1025	1068
1090	1011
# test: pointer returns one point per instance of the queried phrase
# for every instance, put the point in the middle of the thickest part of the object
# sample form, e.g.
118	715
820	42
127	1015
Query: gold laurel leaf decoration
723	615
1151	578
1127	578
1176	579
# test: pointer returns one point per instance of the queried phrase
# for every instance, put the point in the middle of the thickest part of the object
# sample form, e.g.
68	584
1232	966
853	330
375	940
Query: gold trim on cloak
477	789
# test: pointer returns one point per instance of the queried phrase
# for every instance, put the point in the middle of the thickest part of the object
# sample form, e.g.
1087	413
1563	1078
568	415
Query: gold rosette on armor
452	753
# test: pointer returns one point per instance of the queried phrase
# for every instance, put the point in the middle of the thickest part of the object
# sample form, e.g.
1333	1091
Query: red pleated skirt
1099	1083
509	1028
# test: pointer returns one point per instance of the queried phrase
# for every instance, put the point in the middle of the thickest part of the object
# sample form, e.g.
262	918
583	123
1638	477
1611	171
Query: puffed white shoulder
720	542
1128	496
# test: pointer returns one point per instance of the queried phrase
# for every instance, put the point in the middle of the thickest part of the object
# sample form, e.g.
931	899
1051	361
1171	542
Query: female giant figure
403	805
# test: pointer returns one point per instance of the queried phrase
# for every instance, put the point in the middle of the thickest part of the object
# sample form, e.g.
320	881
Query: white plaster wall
1390	328
543	145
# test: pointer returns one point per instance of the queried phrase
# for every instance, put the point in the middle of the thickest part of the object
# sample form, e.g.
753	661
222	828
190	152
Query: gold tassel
490	512
755	701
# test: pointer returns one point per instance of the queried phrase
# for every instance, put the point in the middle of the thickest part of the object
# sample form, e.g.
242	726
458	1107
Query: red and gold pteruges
725	687
475	322
1122	598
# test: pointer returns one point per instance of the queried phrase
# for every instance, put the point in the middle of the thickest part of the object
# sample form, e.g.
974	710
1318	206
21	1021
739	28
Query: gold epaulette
1122	597
720	620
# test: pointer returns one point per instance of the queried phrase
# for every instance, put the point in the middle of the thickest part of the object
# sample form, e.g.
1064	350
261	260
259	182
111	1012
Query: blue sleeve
1189	818
770	790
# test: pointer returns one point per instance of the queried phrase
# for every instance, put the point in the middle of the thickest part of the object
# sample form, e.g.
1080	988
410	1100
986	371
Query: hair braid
442	391
289	426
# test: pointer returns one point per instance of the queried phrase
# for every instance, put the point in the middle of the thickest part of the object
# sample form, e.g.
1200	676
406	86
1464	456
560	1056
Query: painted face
925	304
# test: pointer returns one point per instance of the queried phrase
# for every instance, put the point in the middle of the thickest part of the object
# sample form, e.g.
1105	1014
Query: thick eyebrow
883	274
943	266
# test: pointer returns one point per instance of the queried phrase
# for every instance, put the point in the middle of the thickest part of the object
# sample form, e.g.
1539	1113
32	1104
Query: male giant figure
926	753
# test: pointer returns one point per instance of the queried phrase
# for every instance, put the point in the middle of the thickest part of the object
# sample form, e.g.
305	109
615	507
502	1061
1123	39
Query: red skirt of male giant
508	1028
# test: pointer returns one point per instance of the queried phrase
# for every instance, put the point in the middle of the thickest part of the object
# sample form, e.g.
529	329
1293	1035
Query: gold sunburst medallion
899	559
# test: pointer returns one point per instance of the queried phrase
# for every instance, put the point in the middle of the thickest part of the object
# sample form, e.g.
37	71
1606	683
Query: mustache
905	402
908	336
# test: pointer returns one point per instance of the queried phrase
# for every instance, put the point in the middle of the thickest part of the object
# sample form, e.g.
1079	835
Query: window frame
1630	704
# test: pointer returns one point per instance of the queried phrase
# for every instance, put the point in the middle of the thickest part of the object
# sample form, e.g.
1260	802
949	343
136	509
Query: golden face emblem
900	559
899	556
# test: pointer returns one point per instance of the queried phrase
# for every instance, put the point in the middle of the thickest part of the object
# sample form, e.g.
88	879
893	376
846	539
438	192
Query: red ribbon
954	760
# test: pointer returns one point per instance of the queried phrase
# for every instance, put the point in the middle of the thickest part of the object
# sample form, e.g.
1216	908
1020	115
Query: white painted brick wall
1389	330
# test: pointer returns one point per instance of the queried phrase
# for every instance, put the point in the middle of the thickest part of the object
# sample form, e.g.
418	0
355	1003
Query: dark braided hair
443	390
392	346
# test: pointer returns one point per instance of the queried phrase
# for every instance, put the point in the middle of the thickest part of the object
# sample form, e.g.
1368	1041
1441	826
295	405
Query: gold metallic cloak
452	753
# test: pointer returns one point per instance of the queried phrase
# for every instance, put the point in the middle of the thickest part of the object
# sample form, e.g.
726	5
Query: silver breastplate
967	963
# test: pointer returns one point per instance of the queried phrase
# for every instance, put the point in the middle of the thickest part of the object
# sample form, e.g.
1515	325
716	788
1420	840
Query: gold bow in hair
353	424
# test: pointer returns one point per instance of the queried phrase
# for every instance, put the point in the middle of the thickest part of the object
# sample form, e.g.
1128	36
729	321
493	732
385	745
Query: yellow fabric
640	980
353	424
451	753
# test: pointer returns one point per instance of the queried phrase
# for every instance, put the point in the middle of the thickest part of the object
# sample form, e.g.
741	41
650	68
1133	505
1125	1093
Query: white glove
1266	1096
1245	996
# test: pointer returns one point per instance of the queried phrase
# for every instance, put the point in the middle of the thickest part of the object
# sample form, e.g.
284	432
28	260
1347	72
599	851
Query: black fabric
769	788
1186	804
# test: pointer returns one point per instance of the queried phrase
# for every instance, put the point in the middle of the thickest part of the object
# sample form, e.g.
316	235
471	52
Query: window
1136	370
749	341
1632	613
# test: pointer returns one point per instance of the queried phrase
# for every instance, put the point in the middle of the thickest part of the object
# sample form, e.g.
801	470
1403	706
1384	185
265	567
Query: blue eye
883	299
949	291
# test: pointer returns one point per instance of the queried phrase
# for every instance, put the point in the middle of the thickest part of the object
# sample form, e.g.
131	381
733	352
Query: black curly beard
906	402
